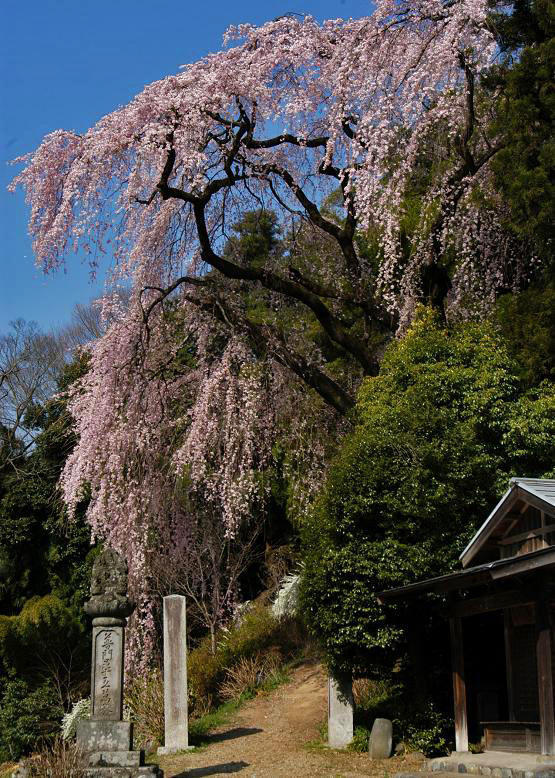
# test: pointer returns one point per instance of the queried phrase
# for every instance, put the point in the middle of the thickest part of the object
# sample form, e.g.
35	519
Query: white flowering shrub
81	710
287	599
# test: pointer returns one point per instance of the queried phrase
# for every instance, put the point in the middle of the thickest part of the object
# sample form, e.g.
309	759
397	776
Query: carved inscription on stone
107	673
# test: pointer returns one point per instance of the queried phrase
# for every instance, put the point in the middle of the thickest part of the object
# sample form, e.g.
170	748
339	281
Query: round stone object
379	744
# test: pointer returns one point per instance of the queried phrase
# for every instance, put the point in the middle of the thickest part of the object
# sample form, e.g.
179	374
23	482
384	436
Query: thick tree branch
343	235
470	119
330	323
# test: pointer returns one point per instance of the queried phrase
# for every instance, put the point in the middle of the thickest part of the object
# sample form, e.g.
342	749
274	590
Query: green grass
199	729
321	742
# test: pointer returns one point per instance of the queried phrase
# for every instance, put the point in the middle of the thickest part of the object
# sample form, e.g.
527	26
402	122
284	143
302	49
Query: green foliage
26	715
45	566
530	434
417	723
437	435
40	551
525	165
255	238
424	729
40	639
359	743
527	321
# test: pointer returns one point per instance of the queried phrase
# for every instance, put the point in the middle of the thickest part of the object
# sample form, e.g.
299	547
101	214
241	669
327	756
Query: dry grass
247	674
60	760
363	688
145	700
367	692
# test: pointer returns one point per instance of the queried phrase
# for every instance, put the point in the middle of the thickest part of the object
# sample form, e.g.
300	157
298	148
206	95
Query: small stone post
105	737
340	712
381	739
176	727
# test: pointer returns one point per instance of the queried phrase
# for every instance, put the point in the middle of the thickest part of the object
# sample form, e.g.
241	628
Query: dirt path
268	738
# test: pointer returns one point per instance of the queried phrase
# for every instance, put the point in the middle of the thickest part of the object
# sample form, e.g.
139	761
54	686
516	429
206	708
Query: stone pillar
107	670
176	729
105	737
340	712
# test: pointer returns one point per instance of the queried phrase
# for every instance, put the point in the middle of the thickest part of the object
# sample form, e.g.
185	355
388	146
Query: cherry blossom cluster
150	436
292	105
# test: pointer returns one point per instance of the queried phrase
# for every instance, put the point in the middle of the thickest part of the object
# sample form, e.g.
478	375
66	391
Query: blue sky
66	63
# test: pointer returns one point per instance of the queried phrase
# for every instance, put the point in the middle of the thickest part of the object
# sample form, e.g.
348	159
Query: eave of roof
474	576
539	492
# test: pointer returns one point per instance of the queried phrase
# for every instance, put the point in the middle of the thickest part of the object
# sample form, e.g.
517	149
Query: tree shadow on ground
199	772
231	734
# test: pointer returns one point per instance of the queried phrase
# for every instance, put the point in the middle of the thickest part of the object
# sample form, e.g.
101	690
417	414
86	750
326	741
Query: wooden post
459	685
545	676
508	631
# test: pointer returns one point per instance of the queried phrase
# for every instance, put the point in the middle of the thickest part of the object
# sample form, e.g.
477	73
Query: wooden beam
545	676
525	564
508	632
531	533
459	685
535	502
490	602
482	536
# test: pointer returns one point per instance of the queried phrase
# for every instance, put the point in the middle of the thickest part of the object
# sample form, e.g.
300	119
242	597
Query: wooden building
501	609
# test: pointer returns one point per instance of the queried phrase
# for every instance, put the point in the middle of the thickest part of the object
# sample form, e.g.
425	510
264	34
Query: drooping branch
267	340
264	339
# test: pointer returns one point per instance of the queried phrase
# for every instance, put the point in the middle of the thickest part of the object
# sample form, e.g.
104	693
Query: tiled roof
544	488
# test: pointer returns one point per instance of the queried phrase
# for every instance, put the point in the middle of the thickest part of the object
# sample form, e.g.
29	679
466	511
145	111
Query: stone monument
176	728
381	739
105	737
340	712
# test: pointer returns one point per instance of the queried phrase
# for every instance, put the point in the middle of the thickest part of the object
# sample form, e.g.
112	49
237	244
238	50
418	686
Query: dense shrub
27	715
424	729
527	321
417	723
45	566
437	435
44	641
360	739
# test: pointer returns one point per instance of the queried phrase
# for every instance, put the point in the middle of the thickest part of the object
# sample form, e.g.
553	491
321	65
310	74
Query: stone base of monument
108	745
167	750
105	735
